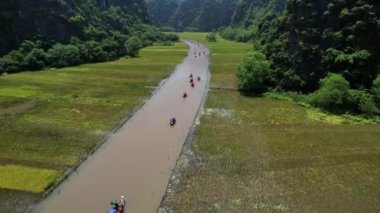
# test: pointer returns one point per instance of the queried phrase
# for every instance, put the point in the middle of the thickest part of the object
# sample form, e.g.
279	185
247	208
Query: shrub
254	73
236	34
35	59
242	35
361	102
133	46
110	46
171	37
211	37
332	94
228	33
94	52
12	63
64	55
376	90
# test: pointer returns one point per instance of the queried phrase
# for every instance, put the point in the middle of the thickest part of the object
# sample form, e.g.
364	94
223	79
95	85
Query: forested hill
329	49
191	15
307	39
58	33
58	20
250	12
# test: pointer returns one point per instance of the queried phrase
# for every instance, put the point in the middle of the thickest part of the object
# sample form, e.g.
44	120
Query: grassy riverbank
268	155
51	119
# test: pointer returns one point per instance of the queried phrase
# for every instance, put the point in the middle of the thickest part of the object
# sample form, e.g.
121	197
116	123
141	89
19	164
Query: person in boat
172	121
191	75
121	205
192	84
114	206
184	95
191	81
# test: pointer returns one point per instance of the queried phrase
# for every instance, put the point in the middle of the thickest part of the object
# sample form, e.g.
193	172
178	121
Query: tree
94	52
254	73
64	55
35	59
133	46
13	62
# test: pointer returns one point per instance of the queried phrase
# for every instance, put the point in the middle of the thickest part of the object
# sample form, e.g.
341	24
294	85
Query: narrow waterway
138	159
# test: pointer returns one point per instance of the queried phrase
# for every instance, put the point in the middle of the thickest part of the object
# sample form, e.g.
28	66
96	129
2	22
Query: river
137	160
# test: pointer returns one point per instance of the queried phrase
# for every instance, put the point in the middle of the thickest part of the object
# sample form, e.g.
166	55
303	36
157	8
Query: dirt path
138	159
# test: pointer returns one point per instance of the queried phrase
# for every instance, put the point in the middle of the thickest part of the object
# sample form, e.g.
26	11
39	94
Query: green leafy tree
254	73
35	59
64	55
94	52
12	62
133	46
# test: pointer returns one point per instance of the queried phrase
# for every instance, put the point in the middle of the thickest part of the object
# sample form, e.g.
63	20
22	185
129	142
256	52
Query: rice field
259	154
51	119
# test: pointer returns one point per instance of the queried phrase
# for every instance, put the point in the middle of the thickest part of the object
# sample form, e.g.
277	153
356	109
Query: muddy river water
138	159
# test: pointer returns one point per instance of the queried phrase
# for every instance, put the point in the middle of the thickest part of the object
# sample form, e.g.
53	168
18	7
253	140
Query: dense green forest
191	15
328	49
57	33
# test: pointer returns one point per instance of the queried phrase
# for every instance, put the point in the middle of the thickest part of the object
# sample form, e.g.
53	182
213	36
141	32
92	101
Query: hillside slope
191	15
58	20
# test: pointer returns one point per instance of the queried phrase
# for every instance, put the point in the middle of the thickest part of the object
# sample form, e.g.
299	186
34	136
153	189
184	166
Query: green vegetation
211	37
26	179
86	32
254	73
133	46
268	155
50	120
306	41
191	15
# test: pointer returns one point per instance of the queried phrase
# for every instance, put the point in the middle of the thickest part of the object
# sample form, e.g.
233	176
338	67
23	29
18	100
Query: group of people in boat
118	206
184	95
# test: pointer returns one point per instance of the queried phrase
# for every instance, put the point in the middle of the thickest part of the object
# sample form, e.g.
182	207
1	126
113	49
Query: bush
254	73
236	34
228	33
242	35
35	59
361	102
211	37
171	37
133	46
12	63
333	92
94	52
376	90
64	55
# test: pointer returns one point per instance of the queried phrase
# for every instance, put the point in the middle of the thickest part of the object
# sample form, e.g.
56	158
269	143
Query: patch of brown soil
19	107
